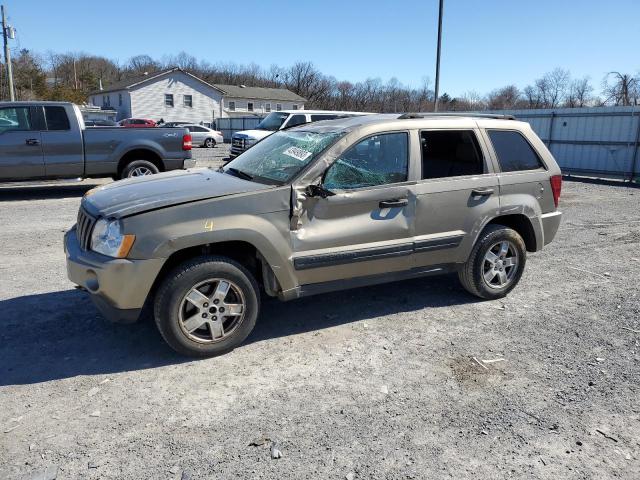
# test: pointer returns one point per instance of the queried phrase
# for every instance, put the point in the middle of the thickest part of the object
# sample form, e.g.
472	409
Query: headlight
107	239
250	141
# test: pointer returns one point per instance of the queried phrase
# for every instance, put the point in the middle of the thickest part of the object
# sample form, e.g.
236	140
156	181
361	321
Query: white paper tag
297	153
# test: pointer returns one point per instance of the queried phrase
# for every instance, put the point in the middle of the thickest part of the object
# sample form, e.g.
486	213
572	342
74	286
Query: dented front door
354	234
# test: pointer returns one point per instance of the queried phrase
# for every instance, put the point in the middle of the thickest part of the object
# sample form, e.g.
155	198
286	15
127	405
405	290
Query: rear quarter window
514	151
57	118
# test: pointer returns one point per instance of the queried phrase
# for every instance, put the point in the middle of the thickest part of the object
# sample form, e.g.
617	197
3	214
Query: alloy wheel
212	310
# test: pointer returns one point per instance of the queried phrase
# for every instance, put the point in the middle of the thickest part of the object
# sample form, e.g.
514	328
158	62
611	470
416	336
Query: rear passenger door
457	192
62	144
522	172
20	144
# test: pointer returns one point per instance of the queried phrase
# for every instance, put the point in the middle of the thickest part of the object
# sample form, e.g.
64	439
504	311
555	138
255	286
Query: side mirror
317	191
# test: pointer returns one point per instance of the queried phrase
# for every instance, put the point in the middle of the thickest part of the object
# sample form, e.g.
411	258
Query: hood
137	195
258	134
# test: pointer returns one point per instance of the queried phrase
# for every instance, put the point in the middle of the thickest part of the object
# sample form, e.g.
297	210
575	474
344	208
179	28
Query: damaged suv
314	209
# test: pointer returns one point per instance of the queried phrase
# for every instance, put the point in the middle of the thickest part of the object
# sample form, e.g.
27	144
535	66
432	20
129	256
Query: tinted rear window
450	153
513	151
56	118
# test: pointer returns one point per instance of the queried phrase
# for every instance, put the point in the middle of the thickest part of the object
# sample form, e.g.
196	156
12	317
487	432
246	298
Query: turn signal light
556	188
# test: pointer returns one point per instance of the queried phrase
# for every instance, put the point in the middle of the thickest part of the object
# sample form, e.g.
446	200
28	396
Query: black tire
472	273
131	168
168	304
209	143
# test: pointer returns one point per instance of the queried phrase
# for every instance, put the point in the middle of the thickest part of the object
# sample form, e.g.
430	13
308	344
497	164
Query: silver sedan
203	136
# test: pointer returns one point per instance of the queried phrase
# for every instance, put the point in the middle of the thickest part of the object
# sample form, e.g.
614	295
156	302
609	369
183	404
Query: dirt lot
371	383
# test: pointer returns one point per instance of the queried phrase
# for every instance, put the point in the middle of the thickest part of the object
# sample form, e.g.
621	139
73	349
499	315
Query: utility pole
7	32
437	92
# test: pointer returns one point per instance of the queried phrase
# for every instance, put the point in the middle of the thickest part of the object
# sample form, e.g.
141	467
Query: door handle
482	192
32	141
394	203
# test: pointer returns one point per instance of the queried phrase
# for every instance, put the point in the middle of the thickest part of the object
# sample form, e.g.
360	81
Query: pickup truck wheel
496	263
139	168
209	143
207	306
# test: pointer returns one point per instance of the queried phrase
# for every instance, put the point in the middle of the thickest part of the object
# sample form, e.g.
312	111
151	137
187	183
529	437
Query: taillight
556	187
186	142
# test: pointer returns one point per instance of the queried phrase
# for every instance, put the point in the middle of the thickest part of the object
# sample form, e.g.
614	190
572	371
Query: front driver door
21	155
365	228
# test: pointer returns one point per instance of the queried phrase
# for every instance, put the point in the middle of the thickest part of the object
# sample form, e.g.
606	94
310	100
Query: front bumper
118	286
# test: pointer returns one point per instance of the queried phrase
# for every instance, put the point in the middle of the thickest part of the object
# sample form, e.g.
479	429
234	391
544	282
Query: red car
137	123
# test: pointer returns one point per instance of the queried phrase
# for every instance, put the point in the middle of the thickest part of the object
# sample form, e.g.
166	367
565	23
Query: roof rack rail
408	116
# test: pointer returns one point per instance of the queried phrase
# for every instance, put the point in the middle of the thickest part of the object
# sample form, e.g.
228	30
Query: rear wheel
139	168
496	263
207	306
209	143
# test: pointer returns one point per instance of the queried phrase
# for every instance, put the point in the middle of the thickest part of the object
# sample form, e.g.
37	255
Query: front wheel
496	263
207	306
209	143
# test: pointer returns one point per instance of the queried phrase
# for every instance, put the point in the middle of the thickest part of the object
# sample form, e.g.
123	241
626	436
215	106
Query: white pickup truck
280	120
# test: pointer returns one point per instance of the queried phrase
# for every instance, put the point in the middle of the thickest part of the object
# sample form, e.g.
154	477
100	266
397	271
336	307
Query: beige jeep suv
315	209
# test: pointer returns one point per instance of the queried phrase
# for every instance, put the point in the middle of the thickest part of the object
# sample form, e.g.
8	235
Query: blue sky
486	43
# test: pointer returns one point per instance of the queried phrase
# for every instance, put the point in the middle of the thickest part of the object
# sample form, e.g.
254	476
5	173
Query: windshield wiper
239	173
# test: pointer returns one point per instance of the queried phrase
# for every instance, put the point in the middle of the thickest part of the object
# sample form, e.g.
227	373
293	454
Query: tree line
71	76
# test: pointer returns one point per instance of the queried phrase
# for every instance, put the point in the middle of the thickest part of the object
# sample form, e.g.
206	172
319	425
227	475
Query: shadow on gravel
8	194
329	310
61	334
601	181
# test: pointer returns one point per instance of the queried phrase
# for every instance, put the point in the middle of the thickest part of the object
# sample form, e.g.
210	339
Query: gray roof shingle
260	93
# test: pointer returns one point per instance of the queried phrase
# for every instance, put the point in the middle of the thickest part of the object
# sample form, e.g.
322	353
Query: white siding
147	100
258	106
123	111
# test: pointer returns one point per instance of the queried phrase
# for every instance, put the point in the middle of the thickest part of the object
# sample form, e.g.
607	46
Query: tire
182	321
138	168
478	267
209	143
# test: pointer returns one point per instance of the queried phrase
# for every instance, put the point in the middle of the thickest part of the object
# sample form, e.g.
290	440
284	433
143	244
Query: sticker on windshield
297	153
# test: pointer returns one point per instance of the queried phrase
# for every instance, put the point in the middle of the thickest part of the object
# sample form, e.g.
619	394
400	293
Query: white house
177	96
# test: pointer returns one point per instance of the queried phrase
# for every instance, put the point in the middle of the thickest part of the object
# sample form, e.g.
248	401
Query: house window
249	106
188	101
267	107
168	99
119	99
295	107
106	101
278	106
232	106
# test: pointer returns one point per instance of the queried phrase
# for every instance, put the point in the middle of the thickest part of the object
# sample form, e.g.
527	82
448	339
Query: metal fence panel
229	126
599	141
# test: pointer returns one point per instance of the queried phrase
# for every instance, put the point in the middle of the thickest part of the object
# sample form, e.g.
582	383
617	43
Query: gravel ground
371	383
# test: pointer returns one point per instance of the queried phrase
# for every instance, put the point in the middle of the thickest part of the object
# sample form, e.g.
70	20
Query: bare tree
625	89
504	98
579	93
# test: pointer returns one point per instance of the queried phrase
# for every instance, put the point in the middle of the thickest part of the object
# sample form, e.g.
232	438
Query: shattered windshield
281	156
272	122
